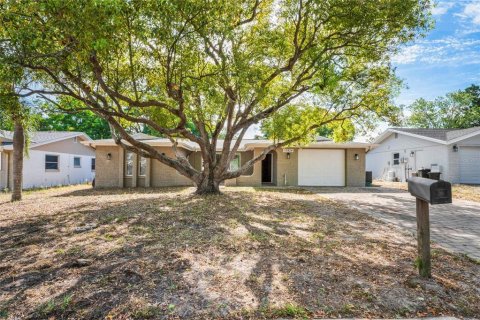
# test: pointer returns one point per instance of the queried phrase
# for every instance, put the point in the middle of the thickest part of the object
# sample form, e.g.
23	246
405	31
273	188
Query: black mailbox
432	191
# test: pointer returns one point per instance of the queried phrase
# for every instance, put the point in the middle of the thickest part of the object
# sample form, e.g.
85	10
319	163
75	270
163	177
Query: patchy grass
79	253
459	191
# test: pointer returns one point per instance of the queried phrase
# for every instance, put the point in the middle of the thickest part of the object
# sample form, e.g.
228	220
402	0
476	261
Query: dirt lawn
459	191
78	253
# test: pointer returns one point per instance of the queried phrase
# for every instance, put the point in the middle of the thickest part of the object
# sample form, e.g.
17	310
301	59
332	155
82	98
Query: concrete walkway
455	227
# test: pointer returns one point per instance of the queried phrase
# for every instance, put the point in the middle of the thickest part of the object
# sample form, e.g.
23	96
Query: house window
396	159
129	164
51	162
235	163
77	162
93	164
142	167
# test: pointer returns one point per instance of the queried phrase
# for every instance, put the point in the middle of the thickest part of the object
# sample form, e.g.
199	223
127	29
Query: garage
321	167
469	165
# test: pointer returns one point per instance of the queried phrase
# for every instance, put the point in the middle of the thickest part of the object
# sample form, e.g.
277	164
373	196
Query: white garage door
469	165
318	167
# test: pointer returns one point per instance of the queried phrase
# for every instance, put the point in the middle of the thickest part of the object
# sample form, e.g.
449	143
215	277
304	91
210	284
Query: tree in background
84	121
460	109
222	65
339	132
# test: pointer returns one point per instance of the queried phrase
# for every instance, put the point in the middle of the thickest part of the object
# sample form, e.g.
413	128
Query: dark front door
267	169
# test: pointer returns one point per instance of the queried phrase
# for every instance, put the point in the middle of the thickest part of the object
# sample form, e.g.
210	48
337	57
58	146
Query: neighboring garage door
321	167
469	164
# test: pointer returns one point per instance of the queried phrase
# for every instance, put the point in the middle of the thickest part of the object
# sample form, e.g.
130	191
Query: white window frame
239	162
393	158
127	154
80	162
140	167
58	162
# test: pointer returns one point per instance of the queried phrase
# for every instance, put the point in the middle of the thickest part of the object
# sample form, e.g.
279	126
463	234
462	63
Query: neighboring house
323	163
402	151
54	158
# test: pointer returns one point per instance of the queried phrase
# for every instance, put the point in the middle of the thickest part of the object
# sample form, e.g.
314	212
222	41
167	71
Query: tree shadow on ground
172	254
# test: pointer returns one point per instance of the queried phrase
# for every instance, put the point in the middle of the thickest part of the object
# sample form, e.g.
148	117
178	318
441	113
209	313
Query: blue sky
448	58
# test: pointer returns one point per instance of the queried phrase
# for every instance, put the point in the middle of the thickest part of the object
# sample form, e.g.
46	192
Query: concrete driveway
455	227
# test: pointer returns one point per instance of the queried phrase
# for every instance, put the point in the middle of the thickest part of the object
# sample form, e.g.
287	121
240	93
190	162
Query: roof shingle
439	134
37	137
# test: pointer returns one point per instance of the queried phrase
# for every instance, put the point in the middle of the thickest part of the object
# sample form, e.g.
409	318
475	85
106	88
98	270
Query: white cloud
441	8
408	54
471	11
447	51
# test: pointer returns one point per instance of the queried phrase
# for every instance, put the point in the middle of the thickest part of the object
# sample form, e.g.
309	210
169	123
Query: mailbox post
427	191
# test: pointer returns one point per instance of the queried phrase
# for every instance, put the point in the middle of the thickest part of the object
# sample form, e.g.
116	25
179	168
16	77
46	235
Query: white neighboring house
402	151
54	158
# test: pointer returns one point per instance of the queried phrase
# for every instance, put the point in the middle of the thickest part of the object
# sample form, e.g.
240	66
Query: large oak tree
223	65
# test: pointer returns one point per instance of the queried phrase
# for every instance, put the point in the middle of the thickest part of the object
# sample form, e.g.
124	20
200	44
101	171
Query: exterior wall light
412	154
109	156
455	148
356	157
288	155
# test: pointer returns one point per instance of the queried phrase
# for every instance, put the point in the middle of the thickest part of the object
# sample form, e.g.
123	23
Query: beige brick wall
195	159
110	173
163	175
355	169
287	169
255	178
107	171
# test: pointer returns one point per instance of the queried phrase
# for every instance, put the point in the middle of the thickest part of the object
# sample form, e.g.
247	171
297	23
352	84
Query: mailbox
432	191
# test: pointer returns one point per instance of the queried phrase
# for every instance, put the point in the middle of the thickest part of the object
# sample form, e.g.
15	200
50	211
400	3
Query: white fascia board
390	131
383	136
470	135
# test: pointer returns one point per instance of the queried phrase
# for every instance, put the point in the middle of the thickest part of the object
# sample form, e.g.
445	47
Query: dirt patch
164	253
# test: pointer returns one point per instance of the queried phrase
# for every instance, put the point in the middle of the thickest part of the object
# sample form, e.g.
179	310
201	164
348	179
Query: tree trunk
208	185
18	149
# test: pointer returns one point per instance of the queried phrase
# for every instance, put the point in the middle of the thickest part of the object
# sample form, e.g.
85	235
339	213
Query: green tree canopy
83	121
71	119
460	109
220	65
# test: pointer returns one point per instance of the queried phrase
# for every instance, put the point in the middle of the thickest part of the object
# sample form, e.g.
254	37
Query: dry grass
163	253
459	191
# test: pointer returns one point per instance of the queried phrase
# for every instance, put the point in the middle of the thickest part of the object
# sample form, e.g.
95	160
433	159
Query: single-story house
399	152
322	163
54	158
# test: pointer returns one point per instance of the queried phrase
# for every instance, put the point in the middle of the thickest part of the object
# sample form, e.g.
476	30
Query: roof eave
389	131
111	143
79	134
467	136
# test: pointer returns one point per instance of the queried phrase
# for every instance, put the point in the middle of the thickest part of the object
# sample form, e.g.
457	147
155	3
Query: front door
267	169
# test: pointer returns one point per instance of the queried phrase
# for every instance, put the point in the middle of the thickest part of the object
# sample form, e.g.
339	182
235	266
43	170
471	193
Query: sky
447	59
